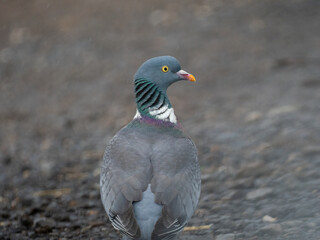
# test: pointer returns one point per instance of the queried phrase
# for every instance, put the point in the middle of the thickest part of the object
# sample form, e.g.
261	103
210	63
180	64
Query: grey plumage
147	213
150	178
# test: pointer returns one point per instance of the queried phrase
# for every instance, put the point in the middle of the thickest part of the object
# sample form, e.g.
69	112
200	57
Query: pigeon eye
165	69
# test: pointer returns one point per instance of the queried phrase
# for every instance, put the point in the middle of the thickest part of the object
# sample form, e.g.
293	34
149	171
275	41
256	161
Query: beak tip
191	78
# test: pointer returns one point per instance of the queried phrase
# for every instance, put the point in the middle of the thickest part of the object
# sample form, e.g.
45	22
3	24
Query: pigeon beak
187	76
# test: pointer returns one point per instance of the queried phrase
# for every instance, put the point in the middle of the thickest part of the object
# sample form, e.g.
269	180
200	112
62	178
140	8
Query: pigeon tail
147	213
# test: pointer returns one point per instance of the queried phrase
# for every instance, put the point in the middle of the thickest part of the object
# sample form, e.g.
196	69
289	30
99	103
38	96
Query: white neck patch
138	115
164	113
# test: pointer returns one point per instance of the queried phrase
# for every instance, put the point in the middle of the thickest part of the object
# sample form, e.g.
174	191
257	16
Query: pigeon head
163	71
150	85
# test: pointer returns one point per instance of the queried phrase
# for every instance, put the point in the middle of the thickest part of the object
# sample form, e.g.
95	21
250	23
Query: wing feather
176	184
125	174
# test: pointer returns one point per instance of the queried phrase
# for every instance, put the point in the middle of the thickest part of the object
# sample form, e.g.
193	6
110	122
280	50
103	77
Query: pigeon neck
152	101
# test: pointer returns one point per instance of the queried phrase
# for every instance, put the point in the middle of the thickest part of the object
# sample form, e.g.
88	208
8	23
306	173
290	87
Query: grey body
162	157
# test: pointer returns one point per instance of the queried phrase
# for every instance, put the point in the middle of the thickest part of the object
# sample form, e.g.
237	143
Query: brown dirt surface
66	71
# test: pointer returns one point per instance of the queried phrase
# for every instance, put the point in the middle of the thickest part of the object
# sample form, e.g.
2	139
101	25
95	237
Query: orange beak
187	76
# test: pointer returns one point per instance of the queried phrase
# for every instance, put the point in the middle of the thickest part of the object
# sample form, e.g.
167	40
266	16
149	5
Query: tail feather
147	213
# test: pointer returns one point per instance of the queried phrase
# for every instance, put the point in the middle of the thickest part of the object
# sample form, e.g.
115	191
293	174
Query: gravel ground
66	71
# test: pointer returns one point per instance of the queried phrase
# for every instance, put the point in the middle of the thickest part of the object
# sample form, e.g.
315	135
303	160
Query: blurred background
66	70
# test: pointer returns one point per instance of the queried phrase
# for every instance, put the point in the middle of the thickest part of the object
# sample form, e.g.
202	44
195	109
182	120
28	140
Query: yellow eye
165	69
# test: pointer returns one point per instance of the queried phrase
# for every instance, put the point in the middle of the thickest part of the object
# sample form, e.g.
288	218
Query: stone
268	218
228	236
253	116
281	110
259	193
271	229
43	225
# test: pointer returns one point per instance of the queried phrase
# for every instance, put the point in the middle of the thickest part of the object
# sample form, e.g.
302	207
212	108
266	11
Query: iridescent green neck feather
152	101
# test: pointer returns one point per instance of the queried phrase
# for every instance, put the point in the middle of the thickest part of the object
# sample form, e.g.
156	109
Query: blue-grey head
163	71
151	81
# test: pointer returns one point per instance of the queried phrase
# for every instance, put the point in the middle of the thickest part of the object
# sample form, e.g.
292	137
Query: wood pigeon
150	177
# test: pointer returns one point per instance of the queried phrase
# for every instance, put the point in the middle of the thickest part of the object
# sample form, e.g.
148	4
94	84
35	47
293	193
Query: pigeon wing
176	184
125	174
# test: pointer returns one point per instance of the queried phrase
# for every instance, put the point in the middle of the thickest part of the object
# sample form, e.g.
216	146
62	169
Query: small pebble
228	236
259	193
271	229
268	218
